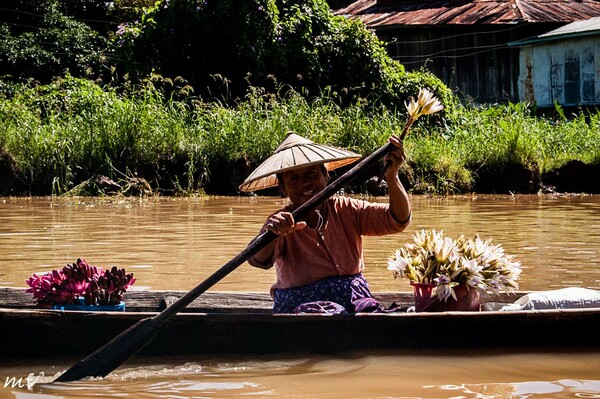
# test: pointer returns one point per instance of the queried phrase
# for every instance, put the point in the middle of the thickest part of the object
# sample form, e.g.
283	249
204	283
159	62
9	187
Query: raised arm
398	198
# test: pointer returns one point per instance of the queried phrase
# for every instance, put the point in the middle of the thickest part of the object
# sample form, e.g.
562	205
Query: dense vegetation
58	136
185	96
222	49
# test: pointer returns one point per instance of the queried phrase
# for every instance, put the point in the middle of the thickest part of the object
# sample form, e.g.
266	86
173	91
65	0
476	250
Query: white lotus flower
444	288
425	97
434	258
412	107
426	104
397	264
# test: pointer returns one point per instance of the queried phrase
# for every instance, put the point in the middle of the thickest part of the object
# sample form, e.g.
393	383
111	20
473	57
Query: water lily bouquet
80	280
436	259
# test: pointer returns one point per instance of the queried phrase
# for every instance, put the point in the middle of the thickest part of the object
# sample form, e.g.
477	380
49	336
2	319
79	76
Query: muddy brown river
174	243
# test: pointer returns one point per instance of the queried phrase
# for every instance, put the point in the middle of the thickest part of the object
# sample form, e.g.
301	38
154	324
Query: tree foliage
38	41
223	47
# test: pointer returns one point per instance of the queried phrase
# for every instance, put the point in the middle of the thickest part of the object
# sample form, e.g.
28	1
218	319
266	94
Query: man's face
300	185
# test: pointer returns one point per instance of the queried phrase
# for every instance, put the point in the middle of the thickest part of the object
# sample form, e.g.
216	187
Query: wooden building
465	42
562	65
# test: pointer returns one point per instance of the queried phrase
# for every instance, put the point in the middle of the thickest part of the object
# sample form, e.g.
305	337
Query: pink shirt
309	255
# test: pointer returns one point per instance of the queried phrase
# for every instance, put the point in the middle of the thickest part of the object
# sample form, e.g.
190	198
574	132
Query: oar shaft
255	245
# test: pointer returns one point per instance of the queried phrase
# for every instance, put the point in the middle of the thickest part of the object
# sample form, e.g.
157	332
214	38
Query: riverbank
76	138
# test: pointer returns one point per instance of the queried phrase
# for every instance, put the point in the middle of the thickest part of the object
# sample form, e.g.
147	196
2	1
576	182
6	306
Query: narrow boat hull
36	333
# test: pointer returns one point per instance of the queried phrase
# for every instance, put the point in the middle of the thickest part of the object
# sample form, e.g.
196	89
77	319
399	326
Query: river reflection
172	243
355	375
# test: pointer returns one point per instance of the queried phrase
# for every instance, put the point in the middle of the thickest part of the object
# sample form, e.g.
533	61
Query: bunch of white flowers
425	104
436	259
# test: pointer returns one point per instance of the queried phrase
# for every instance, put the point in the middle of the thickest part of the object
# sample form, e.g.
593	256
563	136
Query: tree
222	47
38	41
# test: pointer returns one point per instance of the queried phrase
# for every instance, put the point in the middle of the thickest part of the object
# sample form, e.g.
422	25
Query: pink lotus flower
80	280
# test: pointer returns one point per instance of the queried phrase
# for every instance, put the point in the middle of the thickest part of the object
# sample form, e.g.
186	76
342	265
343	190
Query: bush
225	47
56	137
130	10
52	45
212	44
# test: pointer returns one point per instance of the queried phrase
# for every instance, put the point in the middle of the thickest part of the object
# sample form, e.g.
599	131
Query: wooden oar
135	338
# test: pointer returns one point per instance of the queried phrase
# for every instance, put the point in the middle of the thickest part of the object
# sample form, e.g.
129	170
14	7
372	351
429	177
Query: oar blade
110	356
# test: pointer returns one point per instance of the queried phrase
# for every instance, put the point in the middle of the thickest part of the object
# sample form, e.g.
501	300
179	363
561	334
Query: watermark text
27	382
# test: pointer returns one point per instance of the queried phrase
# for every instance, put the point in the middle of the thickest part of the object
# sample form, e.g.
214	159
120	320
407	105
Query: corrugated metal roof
575	29
380	14
589	25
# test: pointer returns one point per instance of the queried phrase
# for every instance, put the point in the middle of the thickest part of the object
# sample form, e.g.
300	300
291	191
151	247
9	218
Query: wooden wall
473	60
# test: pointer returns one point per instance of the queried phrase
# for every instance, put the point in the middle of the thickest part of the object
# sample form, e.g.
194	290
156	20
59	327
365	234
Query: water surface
172	243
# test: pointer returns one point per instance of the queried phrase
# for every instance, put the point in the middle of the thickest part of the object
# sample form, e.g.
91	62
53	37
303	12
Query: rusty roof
380	14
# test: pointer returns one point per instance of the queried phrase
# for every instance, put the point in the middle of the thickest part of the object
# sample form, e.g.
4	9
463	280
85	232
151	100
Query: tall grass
510	133
64	133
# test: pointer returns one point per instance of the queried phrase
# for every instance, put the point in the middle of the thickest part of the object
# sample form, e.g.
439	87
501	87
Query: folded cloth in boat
361	305
333	295
341	290
564	298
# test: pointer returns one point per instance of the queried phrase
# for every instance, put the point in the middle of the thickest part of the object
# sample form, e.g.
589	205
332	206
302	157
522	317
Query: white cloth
565	298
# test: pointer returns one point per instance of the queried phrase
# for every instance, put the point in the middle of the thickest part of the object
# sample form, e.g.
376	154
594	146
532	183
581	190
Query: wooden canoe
242	323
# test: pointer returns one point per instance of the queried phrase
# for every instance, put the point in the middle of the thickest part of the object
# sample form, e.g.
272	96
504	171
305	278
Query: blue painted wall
565	70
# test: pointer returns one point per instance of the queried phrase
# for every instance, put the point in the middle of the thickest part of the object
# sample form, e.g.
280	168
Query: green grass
64	133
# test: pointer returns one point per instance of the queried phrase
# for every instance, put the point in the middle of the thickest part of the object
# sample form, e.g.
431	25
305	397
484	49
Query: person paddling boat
318	260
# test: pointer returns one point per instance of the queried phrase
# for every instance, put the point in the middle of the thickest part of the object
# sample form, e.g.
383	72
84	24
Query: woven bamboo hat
293	153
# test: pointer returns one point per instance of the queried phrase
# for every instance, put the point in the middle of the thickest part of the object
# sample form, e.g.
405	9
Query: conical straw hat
293	153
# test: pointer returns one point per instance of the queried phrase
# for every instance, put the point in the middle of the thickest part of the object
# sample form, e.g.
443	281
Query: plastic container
82	306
